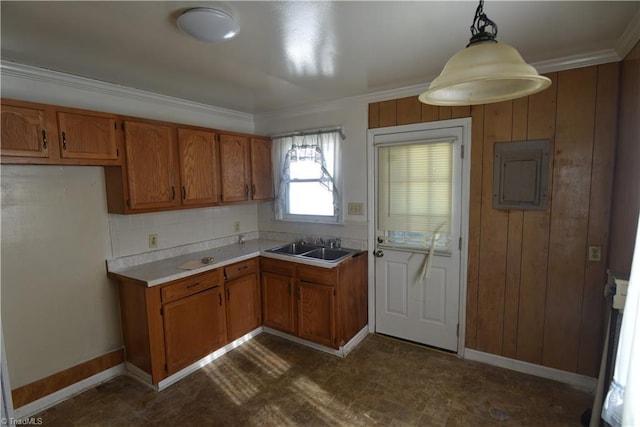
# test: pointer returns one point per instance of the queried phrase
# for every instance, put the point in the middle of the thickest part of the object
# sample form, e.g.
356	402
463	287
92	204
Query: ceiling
292	54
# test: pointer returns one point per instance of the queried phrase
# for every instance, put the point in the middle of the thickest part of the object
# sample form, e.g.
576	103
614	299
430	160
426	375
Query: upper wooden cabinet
48	134
246	170
234	167
88	136
199	167
151	165
24	132
261	169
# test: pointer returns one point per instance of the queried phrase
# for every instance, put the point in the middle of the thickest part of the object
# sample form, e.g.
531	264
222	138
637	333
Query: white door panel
409	303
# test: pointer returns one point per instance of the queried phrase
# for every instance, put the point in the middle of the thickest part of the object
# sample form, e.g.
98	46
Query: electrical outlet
236	227
595	253
153	241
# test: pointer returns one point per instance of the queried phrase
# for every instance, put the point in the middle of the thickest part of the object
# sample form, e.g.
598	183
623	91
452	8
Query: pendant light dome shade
208	25
483	73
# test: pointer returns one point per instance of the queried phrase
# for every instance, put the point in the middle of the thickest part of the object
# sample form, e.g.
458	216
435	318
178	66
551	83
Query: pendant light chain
478	28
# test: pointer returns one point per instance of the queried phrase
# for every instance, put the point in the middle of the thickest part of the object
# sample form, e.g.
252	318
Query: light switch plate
355	208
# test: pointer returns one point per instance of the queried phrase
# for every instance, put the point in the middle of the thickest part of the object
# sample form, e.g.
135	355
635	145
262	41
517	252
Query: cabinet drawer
319	275
240	269
283	268
190	285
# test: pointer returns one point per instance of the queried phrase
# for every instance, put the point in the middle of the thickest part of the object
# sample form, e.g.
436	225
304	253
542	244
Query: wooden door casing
199	167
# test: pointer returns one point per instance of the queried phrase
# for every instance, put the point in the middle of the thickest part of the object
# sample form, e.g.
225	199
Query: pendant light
485	71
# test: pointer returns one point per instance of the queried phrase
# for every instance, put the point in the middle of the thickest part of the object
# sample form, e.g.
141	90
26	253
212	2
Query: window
414	194
307	176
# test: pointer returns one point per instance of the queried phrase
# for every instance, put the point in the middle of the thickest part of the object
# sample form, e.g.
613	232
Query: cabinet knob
44	139
378	254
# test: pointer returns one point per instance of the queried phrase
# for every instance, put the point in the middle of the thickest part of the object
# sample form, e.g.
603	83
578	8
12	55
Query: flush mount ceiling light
207	24
485	71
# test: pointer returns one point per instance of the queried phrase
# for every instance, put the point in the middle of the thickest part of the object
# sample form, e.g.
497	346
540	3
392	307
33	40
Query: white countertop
166	270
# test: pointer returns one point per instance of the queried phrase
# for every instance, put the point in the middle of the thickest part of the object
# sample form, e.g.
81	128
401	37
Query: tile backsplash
130	233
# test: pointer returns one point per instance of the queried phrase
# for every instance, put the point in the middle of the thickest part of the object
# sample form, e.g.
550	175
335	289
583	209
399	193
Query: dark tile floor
270	381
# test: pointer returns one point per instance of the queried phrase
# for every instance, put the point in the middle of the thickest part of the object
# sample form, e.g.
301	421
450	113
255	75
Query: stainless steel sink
293	249
326	254
312	252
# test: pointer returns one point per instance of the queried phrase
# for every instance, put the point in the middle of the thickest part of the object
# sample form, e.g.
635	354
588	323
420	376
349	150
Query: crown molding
60	79
630	37
577	61
560	64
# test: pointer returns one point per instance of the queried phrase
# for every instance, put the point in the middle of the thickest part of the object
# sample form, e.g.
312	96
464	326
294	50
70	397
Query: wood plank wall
531	293
626	197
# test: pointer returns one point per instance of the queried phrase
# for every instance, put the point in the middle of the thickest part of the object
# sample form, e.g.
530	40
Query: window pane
306	169
414	193
310	198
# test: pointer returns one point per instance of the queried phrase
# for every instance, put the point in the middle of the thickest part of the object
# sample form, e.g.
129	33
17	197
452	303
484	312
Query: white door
418	187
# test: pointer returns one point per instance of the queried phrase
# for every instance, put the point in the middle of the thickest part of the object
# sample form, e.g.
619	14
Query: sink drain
499	414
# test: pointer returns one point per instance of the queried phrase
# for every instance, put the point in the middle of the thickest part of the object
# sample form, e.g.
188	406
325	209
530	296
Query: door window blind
414	188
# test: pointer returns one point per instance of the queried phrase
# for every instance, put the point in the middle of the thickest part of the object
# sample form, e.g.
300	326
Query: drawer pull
244	267
64	141
193	285
44	139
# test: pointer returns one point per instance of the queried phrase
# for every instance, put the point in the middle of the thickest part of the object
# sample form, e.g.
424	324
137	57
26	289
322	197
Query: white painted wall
58	307
353	116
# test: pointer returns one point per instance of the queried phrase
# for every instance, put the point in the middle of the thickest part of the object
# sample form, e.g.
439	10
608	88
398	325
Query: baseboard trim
38	389
61	395
341	352
576	380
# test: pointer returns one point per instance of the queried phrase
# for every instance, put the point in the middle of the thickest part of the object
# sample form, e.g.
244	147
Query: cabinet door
261	169
243	306
278	304
234	167
151	165
87	137
199	167
23	132
193	327
316	313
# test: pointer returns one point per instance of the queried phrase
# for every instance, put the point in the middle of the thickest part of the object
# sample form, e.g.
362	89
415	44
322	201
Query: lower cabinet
193	327
278	302
244	313
168	327
316	313
325	305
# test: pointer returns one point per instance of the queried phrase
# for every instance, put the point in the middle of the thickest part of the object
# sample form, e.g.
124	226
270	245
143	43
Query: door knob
378	253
